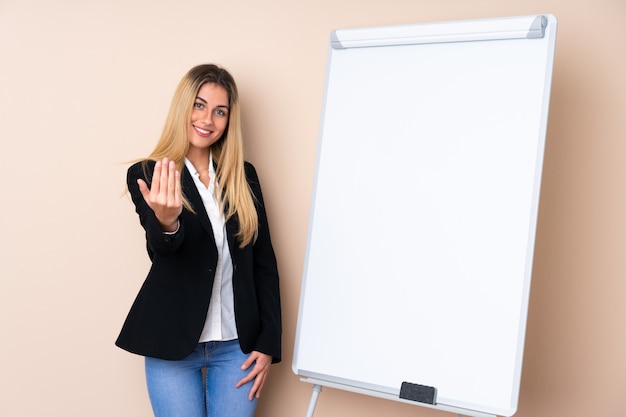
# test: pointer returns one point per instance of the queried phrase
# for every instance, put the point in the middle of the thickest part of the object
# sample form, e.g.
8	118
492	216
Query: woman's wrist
171	228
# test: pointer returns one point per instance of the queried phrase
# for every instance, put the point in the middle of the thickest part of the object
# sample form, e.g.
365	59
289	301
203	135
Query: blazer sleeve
156	240
266	278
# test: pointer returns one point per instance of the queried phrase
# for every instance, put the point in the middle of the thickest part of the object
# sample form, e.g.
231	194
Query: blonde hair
233	192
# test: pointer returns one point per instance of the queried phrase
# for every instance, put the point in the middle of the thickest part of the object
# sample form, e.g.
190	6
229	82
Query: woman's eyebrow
205	102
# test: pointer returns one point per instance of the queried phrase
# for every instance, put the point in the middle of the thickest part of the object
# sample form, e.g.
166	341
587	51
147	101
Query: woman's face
209	117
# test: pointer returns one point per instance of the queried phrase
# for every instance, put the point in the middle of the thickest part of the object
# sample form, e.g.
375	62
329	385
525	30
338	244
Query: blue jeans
177	388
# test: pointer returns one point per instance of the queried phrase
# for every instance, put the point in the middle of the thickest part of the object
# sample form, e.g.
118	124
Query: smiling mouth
202	132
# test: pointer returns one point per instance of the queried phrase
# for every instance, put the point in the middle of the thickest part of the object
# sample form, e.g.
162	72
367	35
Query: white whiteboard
423	216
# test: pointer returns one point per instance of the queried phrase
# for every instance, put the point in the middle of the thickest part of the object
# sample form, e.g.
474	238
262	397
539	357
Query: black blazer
168	315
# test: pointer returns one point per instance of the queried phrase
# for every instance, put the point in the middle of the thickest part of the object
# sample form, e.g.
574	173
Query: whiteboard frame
524	27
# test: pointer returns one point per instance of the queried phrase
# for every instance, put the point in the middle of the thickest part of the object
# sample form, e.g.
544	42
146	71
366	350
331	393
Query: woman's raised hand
165	196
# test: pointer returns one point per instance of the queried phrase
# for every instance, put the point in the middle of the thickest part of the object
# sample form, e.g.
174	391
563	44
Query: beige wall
84	86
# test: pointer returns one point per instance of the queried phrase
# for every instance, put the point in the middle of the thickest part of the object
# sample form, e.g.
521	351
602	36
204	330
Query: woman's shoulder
141	165
250	171
141	168
248	166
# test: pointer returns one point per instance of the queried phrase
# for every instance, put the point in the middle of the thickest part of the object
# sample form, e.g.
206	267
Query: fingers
178	191
155	186
257	387
164	196
259	377
163	181
173	179
143	189
258	374
248	362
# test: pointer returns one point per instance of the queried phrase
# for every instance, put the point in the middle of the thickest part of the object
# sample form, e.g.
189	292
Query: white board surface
423	217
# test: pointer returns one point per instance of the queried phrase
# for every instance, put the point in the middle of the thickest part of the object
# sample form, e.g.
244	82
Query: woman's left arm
267	349
266	279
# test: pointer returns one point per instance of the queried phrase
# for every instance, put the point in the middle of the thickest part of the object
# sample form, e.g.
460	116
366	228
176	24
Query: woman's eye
220	112
198	106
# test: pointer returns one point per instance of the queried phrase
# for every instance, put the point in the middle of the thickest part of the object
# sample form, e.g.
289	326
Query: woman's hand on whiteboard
259	372
165	195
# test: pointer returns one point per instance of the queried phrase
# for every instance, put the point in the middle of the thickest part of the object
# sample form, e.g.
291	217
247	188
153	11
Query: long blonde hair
233	192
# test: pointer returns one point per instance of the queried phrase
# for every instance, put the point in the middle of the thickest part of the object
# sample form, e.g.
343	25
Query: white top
220	321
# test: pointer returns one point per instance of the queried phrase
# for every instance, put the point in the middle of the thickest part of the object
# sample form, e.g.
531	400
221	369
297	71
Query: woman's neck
199	158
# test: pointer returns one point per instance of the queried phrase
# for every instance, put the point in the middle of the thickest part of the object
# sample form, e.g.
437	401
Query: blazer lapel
191	192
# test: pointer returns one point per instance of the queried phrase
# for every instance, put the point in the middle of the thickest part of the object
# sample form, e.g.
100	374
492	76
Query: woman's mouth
202	132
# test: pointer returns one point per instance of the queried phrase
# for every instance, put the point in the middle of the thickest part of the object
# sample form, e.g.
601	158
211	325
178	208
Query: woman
207	318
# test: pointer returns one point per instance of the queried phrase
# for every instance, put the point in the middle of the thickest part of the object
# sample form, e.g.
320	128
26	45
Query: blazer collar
193	196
